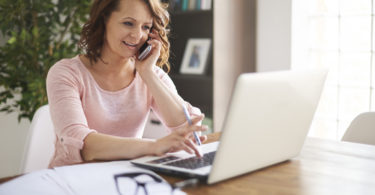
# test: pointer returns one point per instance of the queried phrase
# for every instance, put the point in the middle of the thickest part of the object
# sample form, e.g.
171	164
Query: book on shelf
206	4
189	5
192	4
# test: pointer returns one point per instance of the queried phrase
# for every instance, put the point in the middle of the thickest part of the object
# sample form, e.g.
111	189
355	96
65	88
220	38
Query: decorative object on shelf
195	56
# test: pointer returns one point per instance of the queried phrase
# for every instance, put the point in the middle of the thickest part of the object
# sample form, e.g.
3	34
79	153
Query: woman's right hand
181	139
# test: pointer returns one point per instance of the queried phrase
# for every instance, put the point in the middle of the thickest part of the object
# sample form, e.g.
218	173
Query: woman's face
127	28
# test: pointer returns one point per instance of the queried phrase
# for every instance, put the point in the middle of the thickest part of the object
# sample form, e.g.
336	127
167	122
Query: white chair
362	129
40	143
154	129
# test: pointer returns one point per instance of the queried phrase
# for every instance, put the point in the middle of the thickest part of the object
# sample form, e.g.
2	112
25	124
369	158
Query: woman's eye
147	27
128	23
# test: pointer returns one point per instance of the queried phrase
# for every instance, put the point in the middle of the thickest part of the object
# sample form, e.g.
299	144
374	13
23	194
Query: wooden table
323	167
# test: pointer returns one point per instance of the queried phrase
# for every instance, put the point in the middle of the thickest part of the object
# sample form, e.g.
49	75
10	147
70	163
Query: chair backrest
154	129
40	143
362	129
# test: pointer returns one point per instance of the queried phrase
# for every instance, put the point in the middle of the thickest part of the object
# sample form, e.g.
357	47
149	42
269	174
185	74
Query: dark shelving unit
196	89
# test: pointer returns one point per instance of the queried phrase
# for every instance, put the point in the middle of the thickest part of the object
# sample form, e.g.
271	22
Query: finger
155	43
196	119
187	131
187	148
196	128
154	31
154	34
203	138
190	136
194	147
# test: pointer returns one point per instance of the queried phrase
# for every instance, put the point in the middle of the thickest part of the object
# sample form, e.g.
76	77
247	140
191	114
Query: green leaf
12	40
23	35
35	31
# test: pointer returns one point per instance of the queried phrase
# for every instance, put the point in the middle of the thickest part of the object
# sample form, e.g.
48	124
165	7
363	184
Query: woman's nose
136	33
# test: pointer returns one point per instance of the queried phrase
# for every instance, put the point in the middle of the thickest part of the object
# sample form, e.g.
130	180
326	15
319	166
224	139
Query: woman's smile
130	46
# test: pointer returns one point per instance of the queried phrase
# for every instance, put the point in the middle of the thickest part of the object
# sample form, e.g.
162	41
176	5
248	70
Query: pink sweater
79	106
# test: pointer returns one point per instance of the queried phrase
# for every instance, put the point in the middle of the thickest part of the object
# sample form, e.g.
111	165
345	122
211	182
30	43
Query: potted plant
38	33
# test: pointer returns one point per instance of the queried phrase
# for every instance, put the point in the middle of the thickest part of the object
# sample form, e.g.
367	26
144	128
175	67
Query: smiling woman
127	29
92	38
99	101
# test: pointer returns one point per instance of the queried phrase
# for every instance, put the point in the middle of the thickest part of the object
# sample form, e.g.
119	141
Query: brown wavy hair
92	35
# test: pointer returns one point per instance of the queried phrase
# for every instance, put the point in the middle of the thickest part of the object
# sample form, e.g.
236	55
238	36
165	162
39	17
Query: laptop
268	119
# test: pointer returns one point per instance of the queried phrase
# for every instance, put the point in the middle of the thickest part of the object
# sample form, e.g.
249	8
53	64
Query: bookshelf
196	89
231	28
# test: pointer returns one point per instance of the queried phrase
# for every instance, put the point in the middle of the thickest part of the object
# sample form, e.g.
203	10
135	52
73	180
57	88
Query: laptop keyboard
163	160
194	162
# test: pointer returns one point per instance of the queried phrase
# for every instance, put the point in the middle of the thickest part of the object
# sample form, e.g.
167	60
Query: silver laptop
267	122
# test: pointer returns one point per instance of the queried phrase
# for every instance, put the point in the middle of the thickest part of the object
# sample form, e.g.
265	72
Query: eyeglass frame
132	175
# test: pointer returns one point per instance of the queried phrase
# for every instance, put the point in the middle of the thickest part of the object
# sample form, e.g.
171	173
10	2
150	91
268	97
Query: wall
12	140
236	26
234	50
274	26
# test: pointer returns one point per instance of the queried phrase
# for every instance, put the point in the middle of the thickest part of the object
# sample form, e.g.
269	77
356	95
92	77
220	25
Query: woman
99	101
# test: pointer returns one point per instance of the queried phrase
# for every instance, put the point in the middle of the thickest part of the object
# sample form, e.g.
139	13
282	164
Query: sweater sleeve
193	111
70	124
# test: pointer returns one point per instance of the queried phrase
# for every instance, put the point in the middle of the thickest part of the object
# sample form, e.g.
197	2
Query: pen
190	123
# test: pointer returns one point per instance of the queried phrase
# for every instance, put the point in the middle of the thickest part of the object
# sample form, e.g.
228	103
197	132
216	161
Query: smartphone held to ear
144	51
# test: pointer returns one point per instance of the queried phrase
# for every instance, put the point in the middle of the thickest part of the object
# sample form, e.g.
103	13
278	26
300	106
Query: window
338	35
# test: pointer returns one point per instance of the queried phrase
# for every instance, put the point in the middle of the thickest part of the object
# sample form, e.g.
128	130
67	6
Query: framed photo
195	57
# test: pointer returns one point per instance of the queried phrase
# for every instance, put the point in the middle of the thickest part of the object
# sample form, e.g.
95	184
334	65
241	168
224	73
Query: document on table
90	178
42	182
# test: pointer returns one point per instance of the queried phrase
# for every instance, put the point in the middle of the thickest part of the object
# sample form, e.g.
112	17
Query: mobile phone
144	50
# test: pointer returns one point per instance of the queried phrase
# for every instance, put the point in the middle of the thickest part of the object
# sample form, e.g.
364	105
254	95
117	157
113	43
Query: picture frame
195	56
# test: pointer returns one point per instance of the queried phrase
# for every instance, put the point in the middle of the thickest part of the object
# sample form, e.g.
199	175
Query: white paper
90	179
39	182
95	178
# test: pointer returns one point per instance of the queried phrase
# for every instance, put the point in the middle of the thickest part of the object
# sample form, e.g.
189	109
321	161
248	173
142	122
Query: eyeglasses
138	183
